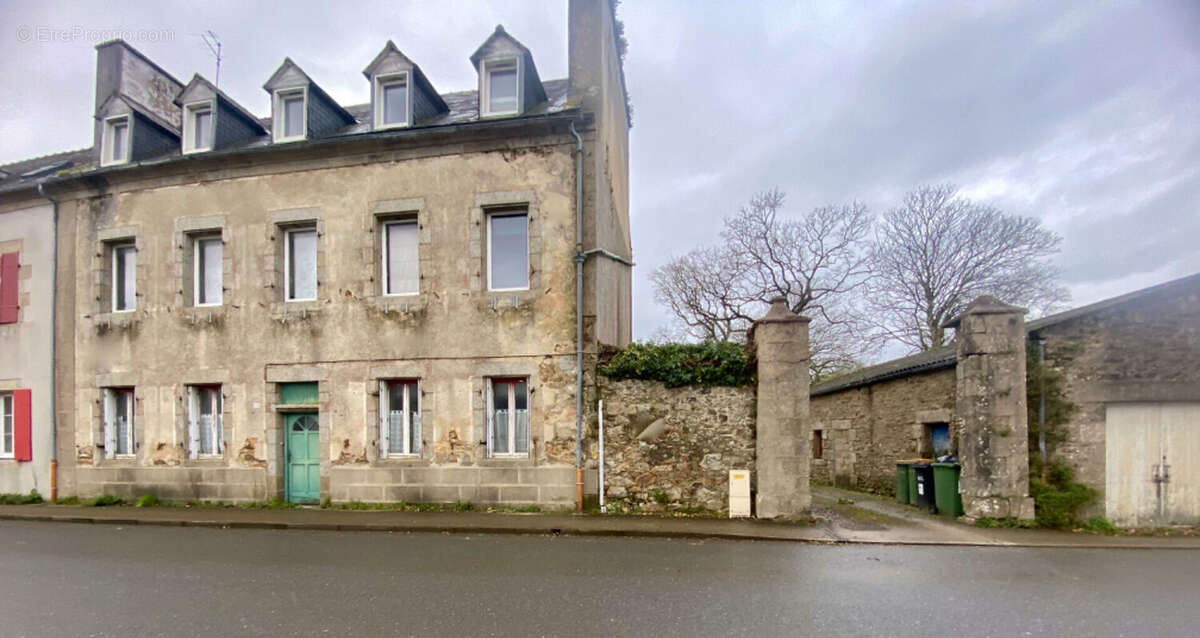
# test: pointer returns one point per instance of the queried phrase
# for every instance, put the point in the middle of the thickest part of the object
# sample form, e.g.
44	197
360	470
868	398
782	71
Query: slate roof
464	109
936	359
944	356
1174	284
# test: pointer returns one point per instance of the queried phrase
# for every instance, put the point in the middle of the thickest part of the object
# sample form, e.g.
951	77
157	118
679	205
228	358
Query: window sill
401	305
403	461
119	320
507	461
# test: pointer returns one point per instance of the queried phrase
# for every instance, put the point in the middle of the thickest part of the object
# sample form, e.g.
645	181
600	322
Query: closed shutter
110	424
383	420
22	425
10	266
488	404
193	412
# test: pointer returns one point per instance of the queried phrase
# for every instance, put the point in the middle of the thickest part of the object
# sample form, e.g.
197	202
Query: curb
555	531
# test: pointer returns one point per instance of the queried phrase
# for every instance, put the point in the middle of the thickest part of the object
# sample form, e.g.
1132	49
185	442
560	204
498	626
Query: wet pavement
118	580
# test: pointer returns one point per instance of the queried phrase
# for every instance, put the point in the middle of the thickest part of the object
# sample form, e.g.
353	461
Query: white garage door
1153	463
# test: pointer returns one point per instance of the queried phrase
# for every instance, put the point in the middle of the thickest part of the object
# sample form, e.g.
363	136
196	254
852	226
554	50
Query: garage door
1153	463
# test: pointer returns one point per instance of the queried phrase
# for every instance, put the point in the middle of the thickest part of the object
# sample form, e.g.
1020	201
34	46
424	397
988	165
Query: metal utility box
739	493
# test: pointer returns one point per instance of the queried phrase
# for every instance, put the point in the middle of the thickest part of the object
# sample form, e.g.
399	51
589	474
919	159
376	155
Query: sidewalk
870	520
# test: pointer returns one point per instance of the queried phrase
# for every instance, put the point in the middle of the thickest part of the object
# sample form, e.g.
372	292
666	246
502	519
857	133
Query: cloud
1084	115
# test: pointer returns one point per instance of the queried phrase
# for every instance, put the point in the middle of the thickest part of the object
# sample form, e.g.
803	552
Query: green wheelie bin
902	468
911	475
945	489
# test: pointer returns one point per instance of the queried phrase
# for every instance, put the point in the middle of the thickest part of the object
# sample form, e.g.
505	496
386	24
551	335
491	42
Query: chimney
123	70
594	61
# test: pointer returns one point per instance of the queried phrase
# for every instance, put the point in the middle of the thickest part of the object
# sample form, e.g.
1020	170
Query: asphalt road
62	579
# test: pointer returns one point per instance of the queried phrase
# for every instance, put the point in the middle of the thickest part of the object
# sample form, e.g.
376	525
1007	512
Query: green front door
303	478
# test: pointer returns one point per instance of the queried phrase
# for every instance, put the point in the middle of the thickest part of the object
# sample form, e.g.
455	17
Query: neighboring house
372	302
1131	366
26	331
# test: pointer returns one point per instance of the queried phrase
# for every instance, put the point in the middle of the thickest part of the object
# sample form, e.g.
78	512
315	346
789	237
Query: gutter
53	348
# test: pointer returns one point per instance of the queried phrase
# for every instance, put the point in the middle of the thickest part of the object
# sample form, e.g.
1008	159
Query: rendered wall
26	360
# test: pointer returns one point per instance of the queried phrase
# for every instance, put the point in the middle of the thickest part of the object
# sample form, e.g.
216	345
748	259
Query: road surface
63	579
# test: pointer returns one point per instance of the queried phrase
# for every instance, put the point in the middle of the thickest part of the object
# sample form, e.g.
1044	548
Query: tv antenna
214	45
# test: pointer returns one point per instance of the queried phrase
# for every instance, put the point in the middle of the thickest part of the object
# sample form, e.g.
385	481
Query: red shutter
22	425
10	266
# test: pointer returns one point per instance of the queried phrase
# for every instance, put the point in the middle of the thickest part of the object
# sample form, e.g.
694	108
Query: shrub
711	363
1059	498
32	498
463	506
1100	525
147	500
104	500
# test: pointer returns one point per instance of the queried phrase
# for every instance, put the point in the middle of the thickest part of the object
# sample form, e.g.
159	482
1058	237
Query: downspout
53	347
579	259
1041	341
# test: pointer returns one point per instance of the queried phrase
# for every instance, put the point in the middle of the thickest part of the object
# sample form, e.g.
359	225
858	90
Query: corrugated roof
464	108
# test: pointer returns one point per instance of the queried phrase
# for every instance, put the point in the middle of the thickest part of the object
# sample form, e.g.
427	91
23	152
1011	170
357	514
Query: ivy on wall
710	363
1057	496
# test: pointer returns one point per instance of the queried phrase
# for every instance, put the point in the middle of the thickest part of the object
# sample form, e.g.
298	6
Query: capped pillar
993	440
782	454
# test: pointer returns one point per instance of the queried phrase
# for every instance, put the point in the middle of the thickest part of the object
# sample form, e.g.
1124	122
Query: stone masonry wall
865	430
690	438
1146	350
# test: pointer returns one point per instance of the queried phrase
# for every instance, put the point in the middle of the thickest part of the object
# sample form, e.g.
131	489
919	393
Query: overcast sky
1086	115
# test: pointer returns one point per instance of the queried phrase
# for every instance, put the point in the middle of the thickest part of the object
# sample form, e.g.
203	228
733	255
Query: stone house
381	302
1131	366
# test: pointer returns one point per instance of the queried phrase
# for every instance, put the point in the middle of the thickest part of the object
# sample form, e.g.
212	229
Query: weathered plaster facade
26	356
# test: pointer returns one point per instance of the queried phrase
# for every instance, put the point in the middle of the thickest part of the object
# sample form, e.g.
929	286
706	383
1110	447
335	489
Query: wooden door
303	479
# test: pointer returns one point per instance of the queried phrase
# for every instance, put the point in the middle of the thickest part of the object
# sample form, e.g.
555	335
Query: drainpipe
579	259
1042	403
53	348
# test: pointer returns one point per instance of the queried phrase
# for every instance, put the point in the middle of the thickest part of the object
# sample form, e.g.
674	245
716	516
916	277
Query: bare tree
815	260
938	251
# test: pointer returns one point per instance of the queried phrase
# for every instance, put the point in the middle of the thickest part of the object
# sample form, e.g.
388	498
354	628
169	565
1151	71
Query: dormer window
198	127
116	141
391	100
289	115
500	87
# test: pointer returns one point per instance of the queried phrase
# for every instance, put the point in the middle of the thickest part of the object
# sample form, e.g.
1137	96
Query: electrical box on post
739	493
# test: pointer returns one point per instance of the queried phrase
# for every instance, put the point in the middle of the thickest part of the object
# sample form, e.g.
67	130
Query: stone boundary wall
690	438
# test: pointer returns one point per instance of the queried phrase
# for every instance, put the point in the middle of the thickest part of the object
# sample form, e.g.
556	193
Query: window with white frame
118	422
207	267
508	417
6	422
198	127
300	264
124	276
500	87
401	271
290	122
508	250
391	100
115	141
400	417
204	420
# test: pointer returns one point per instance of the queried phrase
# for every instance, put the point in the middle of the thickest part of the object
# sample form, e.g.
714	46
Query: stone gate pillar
782	454
993	441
